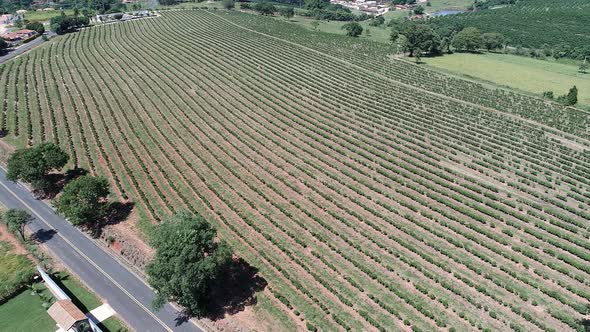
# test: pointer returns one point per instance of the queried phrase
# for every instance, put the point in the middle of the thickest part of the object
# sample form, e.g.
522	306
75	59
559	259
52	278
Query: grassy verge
517	72
35	16
436	5
25	312
15	270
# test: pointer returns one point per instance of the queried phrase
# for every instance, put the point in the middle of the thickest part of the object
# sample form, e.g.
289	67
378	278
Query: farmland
371	193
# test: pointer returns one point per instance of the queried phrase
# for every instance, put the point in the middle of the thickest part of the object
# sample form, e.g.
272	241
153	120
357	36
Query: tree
187	262
33	164
84	200
265	8
3	46
16	220
287	12
571	98
419	10
468	39
420	37
493	40
353	29
37	26
377	21
228	4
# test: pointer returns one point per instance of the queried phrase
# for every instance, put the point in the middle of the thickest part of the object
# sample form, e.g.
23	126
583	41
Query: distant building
6	19
16	37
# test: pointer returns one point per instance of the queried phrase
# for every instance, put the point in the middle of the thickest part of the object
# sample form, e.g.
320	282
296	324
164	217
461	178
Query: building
16	37
68	317
6	19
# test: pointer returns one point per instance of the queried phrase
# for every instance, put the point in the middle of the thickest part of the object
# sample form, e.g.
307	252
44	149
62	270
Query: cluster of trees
84	201
188	261
64	23
353	29
534	27
569	99
418	38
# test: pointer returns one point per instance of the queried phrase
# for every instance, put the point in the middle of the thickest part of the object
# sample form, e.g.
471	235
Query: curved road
124	291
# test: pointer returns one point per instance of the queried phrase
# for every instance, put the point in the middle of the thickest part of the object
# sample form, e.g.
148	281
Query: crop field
371	194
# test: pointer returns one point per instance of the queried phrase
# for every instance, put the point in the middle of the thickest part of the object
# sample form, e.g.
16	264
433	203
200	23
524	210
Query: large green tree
16	220
187	262
419	38
493	40
468	39
84	200
265	8
353	29
34	164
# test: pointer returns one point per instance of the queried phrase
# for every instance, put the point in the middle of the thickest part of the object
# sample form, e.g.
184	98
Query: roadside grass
15	270
25	312
517	72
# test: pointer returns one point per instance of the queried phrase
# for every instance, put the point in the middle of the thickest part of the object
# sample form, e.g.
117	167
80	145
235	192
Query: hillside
563	26
371	194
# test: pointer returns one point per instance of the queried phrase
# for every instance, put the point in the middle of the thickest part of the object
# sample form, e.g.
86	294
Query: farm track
378	211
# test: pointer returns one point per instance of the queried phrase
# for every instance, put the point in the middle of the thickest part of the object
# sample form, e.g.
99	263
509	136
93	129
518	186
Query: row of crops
376	57
366	204
562	25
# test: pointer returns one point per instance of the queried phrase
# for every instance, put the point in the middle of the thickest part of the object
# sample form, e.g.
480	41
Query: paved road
124	291
20	50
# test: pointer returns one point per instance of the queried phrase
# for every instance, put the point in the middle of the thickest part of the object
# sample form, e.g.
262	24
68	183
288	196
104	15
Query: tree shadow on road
43	235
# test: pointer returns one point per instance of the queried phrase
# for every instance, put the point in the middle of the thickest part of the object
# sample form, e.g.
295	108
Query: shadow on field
118	212
236	290
586	325
57	181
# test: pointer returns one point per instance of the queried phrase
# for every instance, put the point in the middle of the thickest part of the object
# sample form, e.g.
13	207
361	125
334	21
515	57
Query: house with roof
16	37
68	317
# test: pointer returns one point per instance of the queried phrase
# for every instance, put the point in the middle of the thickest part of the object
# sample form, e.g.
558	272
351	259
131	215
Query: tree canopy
419	38
287	12
33	164
353	29
265	8
187	262
571	98
468	39
493	40
64	24
84	200
16	220
37	26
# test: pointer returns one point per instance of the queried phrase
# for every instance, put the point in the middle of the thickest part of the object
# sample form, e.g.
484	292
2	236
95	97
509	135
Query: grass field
25	313
526	74
370	193
34	16
437	5
15	270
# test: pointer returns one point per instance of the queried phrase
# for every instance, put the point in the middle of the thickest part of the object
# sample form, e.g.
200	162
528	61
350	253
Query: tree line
189	258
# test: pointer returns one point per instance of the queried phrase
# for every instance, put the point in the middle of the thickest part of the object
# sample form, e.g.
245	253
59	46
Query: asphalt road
22	49
124	291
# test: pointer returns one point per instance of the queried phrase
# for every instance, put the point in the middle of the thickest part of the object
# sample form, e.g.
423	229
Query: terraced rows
365	203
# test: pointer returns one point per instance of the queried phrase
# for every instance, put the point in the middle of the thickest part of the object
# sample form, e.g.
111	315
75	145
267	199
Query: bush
353	29
39	27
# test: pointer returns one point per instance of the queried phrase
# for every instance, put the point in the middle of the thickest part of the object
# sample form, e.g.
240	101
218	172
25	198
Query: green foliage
265	8
493	40
377	21
287	12
84	200
353	29
64	24
228	4
419	10
16	220
468	39
15	271
37	26
420	38
540	24
187	262
571	98
3	46
33	164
